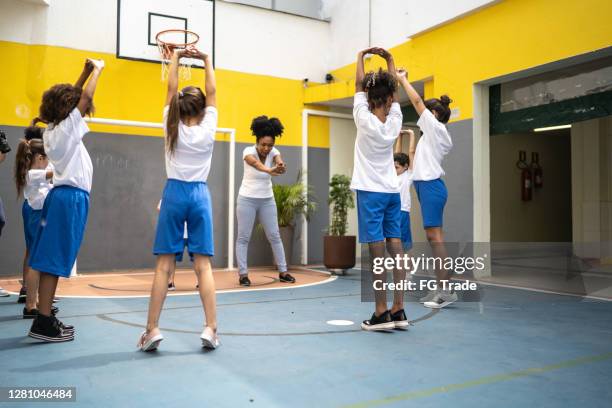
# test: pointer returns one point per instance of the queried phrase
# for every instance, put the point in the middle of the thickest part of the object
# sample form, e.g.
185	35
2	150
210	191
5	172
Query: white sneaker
4	293
210	340
442	299
428	297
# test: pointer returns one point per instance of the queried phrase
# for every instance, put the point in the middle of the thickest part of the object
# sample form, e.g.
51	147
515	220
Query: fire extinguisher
526	178
537	170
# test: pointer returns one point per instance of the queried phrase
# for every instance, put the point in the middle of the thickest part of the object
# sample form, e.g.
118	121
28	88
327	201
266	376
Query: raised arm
360	74
87	69
210	82
411	147
413	95
88	93
397	148
173	80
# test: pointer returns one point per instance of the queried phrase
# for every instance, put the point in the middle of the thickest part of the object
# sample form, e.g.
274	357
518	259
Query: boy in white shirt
378	118
403	166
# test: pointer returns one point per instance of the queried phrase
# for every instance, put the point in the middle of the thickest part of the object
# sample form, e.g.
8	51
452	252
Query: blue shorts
432	195
378	215
185	201
179	257
61	230
31	221
406	233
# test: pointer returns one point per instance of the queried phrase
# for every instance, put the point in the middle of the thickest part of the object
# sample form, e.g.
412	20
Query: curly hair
58	101
402	159
440	107
263	126
379	86
33	132
189	102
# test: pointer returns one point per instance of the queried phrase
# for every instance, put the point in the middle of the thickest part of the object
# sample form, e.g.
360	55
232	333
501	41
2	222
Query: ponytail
188	103
172	123
26	152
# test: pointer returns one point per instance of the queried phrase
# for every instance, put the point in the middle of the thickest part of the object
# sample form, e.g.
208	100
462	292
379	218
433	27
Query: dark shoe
47	328
244	281
285	277
382	322
399	319
171	286
22	295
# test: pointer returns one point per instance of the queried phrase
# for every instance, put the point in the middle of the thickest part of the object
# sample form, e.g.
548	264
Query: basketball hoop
170	40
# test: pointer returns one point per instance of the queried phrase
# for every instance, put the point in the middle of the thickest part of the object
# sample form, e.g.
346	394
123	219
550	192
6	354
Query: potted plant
292	200
338	248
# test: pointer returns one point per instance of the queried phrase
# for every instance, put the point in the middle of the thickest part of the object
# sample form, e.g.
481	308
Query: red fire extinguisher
526	178
537	170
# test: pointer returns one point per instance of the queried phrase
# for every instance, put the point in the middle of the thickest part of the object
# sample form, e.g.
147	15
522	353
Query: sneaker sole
402	325
48	339
378	327
438	305
153	343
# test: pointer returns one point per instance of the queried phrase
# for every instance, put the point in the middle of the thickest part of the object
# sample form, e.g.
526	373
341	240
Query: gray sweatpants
247	208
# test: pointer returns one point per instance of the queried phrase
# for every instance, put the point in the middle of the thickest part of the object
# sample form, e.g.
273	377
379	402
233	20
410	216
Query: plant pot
286	234
339	251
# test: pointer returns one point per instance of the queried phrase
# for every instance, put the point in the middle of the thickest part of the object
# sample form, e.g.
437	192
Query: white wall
248	39
342	135
592	186
393	22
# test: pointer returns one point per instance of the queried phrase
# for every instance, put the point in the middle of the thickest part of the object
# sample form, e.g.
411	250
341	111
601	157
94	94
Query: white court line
328	280
552	292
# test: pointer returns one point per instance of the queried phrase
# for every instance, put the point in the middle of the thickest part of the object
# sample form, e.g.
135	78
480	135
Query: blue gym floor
515	348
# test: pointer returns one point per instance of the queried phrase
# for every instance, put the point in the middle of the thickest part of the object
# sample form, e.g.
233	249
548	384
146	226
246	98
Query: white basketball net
167	42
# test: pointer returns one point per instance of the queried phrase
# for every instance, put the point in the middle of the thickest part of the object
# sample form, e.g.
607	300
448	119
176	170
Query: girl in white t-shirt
403	167
65	210
33	179
262	161
190	123
434	144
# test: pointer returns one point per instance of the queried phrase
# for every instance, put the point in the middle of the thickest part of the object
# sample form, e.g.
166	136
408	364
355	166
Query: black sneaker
22	295
47	328
171	286
382	322
285	277
399	319
244	281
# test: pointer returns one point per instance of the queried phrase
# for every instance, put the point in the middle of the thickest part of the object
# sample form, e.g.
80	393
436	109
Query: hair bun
445	100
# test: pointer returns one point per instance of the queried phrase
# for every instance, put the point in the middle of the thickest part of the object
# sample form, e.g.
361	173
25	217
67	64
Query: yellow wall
508	37
132	90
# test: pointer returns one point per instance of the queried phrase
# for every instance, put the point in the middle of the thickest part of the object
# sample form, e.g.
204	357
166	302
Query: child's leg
436	240
377	250
206	281
163	269
394	247
32	285
25	268
46	292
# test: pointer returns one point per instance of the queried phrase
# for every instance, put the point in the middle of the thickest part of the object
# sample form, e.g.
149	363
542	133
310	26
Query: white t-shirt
194	147
431	149
373	168
66	151
405	183
37	187
255	183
